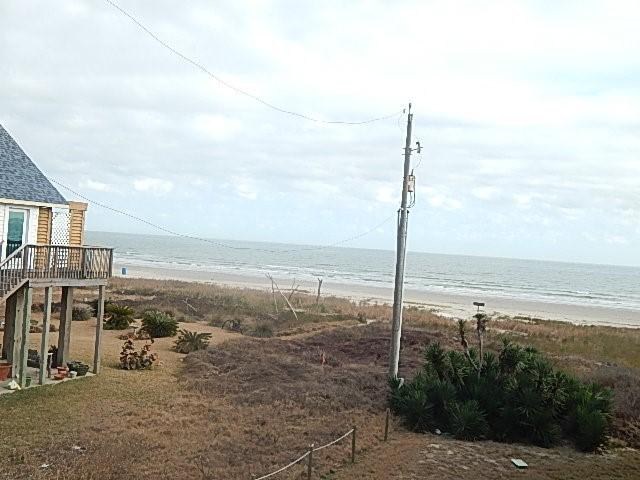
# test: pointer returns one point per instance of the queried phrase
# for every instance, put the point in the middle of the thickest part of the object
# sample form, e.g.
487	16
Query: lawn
249	405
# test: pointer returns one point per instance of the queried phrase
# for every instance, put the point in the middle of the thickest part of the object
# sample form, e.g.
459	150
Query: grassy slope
252	405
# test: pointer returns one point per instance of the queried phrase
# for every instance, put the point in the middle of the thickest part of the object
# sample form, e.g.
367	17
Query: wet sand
451	305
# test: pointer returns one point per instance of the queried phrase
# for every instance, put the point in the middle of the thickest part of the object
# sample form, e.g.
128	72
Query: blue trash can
124	270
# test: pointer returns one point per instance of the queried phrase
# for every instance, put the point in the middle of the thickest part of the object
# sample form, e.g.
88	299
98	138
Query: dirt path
418	456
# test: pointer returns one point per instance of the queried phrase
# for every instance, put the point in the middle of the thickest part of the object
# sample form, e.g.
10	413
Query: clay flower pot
5	371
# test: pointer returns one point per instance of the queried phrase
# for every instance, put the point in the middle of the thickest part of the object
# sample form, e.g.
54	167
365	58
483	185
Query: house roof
20	179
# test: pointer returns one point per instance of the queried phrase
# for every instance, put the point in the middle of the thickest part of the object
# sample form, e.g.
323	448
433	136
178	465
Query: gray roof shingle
20	179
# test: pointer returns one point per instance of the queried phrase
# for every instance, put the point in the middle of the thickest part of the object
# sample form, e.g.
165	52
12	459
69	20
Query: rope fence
312	448
309	455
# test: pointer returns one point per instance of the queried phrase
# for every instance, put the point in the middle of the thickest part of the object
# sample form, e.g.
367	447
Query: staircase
53	264
11	275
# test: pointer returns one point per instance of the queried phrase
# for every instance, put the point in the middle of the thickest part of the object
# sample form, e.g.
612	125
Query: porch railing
54	262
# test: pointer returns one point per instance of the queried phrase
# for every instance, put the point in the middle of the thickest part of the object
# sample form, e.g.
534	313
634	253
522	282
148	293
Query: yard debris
13	385
78	448
519	463
45	465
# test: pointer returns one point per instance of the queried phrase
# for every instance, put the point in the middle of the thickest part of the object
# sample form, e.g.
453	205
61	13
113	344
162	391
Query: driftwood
465	344
186	302
481	327
274	284
294	289
318	295
273	292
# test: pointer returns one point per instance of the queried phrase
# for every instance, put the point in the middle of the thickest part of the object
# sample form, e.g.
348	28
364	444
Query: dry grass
248	406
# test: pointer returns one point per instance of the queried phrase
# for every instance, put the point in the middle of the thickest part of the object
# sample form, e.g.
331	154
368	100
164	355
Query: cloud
530	122
245	188
157	186
97	186
386	194
485	193
616	240
217	127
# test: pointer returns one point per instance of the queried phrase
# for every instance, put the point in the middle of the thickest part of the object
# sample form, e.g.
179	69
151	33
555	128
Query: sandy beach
450	305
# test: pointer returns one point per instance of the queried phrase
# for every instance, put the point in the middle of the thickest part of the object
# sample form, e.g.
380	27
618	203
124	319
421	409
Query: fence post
310	462
353	445
386	426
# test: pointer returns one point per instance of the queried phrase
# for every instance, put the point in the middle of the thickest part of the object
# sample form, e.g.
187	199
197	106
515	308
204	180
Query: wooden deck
55	265
48	266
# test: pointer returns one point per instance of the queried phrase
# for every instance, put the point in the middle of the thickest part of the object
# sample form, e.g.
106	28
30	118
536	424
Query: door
16	230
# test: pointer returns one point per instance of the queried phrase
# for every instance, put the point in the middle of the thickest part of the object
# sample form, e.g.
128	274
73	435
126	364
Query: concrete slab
33	373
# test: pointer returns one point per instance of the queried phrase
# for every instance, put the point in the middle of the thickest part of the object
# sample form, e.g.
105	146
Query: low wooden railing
54	262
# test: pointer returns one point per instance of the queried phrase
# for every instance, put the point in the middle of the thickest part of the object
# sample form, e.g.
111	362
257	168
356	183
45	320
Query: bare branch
318	296
273	292
186	302
273	282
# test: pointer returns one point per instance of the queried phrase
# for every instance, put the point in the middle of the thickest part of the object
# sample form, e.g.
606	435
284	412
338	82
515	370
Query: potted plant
5	371
80	368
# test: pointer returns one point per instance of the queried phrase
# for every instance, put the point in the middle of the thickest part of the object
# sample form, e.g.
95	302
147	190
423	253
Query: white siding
2	209
32	227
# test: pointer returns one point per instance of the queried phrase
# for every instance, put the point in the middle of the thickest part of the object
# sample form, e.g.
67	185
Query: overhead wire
241	91
215	242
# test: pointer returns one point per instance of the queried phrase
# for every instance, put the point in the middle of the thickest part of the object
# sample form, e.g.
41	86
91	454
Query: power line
234	88
214	242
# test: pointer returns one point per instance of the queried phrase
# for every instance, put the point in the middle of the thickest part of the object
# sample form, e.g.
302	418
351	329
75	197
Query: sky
528	114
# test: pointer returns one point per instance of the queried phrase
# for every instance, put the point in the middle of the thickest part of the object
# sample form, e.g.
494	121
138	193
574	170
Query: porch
47	267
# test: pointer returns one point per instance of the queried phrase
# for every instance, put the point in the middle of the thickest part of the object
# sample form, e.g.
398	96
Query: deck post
24	345
99	318
17	332
44	343
64	333
9	327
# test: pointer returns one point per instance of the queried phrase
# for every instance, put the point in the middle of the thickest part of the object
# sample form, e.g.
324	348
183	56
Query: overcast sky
528	112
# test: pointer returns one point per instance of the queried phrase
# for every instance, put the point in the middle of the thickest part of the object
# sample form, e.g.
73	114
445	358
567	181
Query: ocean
616	287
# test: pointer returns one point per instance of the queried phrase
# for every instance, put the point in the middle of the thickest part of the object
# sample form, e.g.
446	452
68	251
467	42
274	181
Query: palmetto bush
188	342
119	317
515	396
159	324
80	313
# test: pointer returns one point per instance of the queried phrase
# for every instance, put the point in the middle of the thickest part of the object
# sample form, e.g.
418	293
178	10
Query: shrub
188	342
130	359
159	324
119	317
94	306
468	421
81	313
516	396
264	330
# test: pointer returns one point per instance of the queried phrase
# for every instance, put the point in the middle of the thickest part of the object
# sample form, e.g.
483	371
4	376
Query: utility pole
394	356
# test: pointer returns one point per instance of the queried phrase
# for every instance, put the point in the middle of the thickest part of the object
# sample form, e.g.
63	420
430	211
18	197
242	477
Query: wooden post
44	343
386	426
24	345
17	332
64	333
99	318
310	462
9	327
353	445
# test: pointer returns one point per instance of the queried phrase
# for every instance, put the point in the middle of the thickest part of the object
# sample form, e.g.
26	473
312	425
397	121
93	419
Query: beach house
41	247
